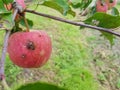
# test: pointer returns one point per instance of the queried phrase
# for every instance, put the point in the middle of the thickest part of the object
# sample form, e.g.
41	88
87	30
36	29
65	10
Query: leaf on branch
30	23
82	4
5	16
2	8
109	36
6	20
60	6
7	1
41	86
105	21
115	11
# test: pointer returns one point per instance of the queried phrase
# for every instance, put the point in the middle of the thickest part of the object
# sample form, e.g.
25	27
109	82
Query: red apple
111	3
101	6
29	49
22	3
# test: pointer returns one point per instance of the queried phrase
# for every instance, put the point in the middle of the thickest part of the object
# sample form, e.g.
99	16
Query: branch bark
2	61
4	50
74	23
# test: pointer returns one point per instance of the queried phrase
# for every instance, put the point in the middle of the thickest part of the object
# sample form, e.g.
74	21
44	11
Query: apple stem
2	61
26	23
74	23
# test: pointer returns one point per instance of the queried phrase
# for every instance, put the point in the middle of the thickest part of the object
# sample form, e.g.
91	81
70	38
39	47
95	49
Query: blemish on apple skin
42	52
23	56
30	45
39	35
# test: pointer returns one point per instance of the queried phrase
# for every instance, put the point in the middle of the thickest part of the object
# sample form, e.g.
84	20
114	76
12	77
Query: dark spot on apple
102	4
30	45
39	35
23	55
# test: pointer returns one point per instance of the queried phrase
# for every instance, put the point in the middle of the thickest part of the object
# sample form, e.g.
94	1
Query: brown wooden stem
26	23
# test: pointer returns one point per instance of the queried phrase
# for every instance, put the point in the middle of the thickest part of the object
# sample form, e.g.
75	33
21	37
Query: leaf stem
74	23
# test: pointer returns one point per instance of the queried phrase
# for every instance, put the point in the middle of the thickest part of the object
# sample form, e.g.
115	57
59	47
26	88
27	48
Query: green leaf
2	8
5	17
115	11
30	23
7	1
110	37
6	20
64	5
85	3
39	86
76	5
82	4
104	20
60	6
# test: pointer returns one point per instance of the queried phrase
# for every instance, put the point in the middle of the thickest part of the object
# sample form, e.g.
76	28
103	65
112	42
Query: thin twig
4	53
15	14
4	50
74	23
2	61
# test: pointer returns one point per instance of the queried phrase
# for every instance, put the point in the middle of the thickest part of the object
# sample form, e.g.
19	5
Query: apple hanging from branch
101	6
29	49
21	3
111	3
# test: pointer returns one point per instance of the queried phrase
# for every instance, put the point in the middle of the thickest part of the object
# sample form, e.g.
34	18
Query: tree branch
4	50
4	54
2	61
74	23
